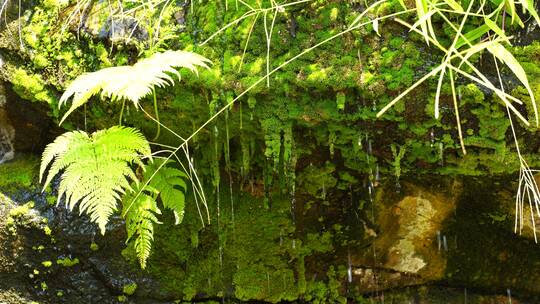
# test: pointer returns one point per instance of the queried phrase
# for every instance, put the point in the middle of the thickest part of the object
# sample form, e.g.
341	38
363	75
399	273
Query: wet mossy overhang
319	110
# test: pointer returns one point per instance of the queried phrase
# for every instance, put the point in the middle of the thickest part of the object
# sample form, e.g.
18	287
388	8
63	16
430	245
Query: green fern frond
140	220
96	168
131	82
168	184
171	186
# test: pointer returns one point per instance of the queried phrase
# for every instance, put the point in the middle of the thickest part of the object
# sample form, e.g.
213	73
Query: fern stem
122	112
157	114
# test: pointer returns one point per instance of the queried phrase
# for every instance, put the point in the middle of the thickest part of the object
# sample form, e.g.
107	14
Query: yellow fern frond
131	82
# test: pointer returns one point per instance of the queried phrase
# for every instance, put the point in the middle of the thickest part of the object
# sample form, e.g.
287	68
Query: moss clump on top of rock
18	174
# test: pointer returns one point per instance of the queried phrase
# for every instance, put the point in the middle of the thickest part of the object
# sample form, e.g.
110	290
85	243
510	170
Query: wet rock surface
31	123
438	235
7	132
46	255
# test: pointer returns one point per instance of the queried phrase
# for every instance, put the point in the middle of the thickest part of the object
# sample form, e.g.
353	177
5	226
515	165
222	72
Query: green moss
18	174
31	87
317	181
47	230
94	247
46	264
67	262
55	3
129	289
257	255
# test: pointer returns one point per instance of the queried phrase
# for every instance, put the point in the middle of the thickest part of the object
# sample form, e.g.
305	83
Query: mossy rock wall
295	168
324	103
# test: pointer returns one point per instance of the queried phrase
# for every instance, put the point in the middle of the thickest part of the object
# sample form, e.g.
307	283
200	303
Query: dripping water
228	166
377	174
293	217
268	281
438	240
218	202
441	154
216	178
445	244
349	269
370	194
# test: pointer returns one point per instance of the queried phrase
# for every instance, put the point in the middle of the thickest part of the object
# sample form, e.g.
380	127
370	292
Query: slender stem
122	112
157	114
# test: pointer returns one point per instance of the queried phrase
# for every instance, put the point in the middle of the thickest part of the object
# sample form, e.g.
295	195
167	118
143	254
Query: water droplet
349	269
398	186
441	154
445	244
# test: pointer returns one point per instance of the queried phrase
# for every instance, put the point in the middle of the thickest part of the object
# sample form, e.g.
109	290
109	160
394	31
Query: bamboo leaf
528	5
495	28
376	26
510	61
472	35
421	11
511	7
454	5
